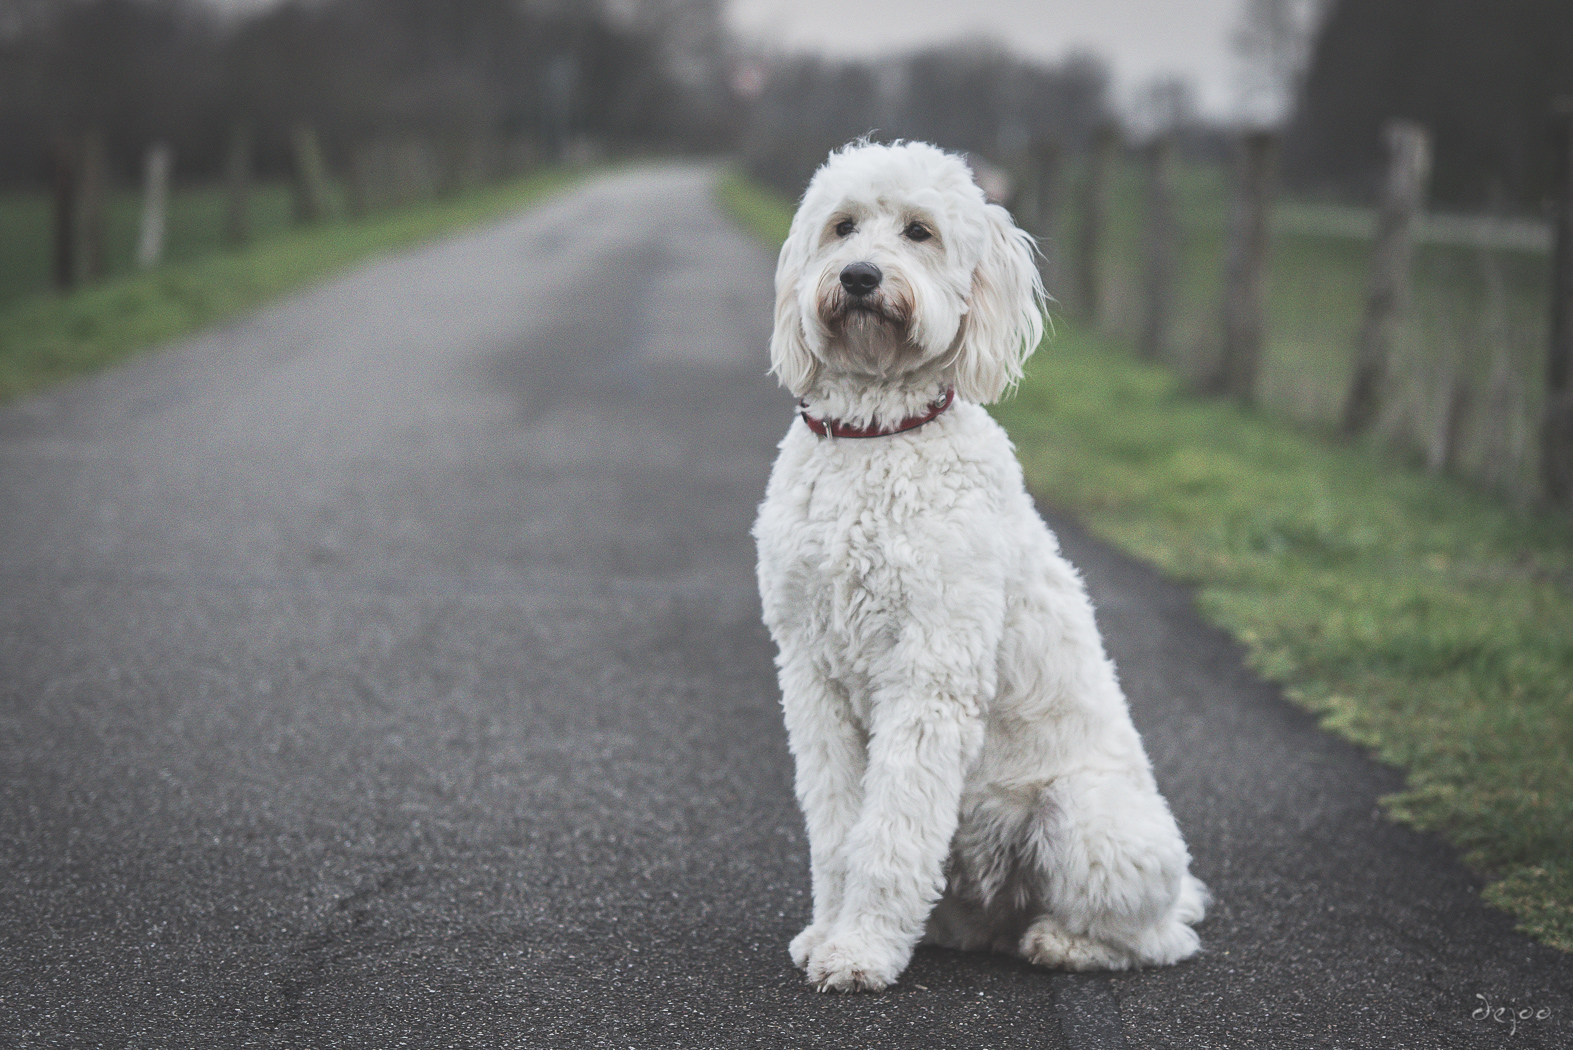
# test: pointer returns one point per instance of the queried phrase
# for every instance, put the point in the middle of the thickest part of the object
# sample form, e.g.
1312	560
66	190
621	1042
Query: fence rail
1461	231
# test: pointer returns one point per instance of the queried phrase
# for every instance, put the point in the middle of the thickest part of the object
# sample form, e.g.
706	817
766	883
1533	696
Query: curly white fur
966	762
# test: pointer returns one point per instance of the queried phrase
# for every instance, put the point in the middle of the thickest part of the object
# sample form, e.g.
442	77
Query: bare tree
973	97
1273	40
1164	106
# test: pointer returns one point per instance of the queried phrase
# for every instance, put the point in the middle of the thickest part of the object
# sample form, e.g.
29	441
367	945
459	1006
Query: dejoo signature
1508	1015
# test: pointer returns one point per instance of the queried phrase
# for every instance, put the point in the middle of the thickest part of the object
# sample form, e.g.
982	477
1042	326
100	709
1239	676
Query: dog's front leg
828	748
895	855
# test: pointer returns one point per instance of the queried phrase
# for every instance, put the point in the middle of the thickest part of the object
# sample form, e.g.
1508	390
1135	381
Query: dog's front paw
803	944
848	963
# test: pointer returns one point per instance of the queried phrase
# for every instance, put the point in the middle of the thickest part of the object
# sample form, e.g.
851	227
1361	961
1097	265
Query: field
1477	314
1421	616
195	231
45	336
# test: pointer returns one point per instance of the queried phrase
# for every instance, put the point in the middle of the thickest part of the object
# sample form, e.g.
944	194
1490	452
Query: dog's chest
855	543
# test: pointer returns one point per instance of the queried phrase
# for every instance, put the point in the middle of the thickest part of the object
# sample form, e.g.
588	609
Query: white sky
1140	39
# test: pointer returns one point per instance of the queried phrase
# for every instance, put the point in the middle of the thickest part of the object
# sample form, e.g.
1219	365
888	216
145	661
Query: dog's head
896	263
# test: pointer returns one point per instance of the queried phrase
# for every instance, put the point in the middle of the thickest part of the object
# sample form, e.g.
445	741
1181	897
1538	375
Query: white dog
966	763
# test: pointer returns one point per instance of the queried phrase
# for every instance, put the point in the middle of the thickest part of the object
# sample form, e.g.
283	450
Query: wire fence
1456	310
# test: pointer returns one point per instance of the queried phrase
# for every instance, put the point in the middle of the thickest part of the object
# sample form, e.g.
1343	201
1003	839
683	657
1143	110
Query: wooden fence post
1094	218
357	190
1455	398
374	172
457	169
155	201
63	164
1556	431
1387	290
311	178
1162	249
237	187
1245	275
412	170
1043	212
90	214
1500	458
482	160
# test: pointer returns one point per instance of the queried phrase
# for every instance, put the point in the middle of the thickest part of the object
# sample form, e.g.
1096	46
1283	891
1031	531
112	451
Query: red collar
836	428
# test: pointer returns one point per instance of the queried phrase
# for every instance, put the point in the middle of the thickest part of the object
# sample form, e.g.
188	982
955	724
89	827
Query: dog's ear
1004	320
790	358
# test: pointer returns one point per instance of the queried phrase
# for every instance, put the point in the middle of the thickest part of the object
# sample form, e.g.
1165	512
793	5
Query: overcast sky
1141	39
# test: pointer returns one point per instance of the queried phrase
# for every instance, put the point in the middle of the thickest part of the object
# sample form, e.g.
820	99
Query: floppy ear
790	359
1004	320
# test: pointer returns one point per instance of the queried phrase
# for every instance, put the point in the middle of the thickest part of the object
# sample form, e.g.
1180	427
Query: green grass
46	337
195	230
764	214
1419	617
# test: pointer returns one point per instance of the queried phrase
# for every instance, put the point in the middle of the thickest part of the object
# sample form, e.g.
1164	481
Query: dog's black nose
860	278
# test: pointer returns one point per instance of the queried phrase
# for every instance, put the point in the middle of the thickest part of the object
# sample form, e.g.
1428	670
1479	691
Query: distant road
385	669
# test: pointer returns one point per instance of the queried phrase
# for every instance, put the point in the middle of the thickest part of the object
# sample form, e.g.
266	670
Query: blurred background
1207	179
783	81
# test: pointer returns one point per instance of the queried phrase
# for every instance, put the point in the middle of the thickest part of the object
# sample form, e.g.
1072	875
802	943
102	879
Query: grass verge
195	229
1422	619
46	338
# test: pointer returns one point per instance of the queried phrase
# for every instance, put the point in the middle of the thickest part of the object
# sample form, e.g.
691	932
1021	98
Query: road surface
385	669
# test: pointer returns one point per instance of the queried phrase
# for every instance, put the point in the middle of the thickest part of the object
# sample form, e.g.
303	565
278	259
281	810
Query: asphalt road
385	669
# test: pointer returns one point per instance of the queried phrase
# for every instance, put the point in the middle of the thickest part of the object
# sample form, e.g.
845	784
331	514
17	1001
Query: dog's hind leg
959	924
994	880
1118	893
1048	943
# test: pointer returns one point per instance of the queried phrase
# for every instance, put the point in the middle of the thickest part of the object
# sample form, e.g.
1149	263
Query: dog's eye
845	227
916	231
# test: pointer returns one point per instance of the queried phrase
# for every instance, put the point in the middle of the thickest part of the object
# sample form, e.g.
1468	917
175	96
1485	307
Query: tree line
1480	75
183	72
663	75
975	97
